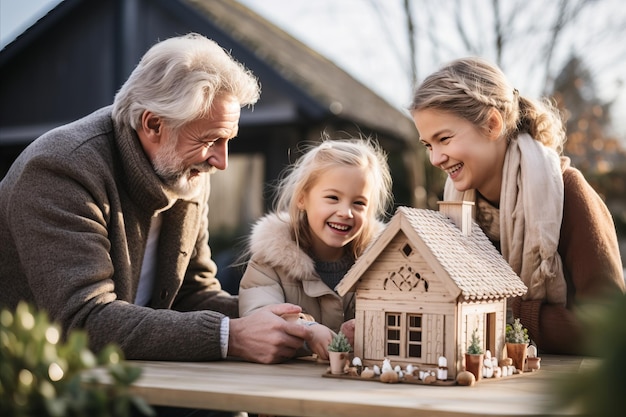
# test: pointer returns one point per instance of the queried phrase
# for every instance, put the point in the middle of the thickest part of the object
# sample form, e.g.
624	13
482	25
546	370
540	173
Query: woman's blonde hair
302	175
471	87
178	79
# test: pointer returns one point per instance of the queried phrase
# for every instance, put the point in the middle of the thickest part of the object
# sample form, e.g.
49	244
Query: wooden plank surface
297	388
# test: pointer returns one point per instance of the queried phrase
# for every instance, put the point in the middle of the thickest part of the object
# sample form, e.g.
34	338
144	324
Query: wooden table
297	388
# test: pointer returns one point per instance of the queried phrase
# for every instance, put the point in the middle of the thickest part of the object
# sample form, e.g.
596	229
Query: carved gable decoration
405	278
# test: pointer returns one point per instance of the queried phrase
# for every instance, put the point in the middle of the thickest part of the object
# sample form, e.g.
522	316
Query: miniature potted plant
338	352
474	356
516	340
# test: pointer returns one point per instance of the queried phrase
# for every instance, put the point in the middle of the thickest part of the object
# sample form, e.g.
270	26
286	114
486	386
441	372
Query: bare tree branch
461	26
498	31
412	45
391	39
565	15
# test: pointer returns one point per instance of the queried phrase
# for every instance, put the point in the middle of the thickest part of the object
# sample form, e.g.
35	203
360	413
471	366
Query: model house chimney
460	212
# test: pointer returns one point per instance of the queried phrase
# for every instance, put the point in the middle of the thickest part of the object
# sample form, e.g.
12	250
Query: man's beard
170	167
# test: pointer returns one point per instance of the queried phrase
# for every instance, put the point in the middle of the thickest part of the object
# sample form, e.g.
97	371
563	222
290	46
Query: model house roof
471	261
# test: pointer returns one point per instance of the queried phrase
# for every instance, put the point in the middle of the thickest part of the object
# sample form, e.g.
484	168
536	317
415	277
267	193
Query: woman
502	151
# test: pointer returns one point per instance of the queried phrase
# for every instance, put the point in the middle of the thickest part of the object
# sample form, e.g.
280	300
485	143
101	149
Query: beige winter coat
279	271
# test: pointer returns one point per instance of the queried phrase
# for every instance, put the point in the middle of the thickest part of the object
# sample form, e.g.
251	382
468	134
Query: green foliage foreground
41	376
598	389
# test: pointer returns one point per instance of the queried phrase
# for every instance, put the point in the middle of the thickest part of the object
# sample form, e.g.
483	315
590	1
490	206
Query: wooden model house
425	284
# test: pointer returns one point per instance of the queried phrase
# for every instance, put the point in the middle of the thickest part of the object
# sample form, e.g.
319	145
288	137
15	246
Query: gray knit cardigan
75	211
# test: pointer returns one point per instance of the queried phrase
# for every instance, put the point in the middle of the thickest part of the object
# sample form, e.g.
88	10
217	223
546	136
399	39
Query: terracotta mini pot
533	363
474	364
517	352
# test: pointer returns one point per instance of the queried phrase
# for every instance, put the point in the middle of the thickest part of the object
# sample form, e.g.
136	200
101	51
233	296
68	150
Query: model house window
393	334
404	335
407	250
414	331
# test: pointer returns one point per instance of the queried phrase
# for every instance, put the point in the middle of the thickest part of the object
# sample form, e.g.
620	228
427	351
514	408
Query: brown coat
591	263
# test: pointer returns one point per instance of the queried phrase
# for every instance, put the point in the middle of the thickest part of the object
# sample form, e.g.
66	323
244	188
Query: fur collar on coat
271	243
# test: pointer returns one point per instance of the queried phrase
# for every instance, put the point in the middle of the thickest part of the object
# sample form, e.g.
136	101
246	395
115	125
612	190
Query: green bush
42	376
516	333
597	388
474	347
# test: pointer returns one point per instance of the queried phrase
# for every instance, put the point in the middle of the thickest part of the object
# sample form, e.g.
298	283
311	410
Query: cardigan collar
143	184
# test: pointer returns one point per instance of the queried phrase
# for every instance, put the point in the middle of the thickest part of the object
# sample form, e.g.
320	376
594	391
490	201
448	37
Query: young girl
329	206
502	151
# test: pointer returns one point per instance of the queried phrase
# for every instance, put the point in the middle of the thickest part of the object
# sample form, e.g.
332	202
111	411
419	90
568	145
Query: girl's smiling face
337	206
472	158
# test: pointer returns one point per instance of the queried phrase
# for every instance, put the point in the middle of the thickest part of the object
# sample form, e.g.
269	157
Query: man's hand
265	337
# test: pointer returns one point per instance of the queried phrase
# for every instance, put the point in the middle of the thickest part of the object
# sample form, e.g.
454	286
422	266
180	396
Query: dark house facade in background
73	60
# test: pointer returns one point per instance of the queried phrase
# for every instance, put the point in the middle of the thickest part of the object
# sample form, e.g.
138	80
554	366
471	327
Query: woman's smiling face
472	159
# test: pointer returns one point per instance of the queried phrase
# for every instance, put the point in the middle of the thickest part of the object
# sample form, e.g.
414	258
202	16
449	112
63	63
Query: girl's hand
322	337
347	328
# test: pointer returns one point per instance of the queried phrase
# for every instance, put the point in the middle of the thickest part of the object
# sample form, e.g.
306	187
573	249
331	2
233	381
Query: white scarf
531	210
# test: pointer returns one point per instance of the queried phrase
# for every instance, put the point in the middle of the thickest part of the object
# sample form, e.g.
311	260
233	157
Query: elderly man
103	222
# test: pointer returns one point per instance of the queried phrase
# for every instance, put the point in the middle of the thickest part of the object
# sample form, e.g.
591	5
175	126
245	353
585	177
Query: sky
17	15
355	34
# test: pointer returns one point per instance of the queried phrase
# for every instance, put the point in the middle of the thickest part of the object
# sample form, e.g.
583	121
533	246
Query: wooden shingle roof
472	262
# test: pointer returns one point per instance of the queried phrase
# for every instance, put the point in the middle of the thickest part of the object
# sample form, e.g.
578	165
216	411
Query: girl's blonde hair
301	176
471	87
